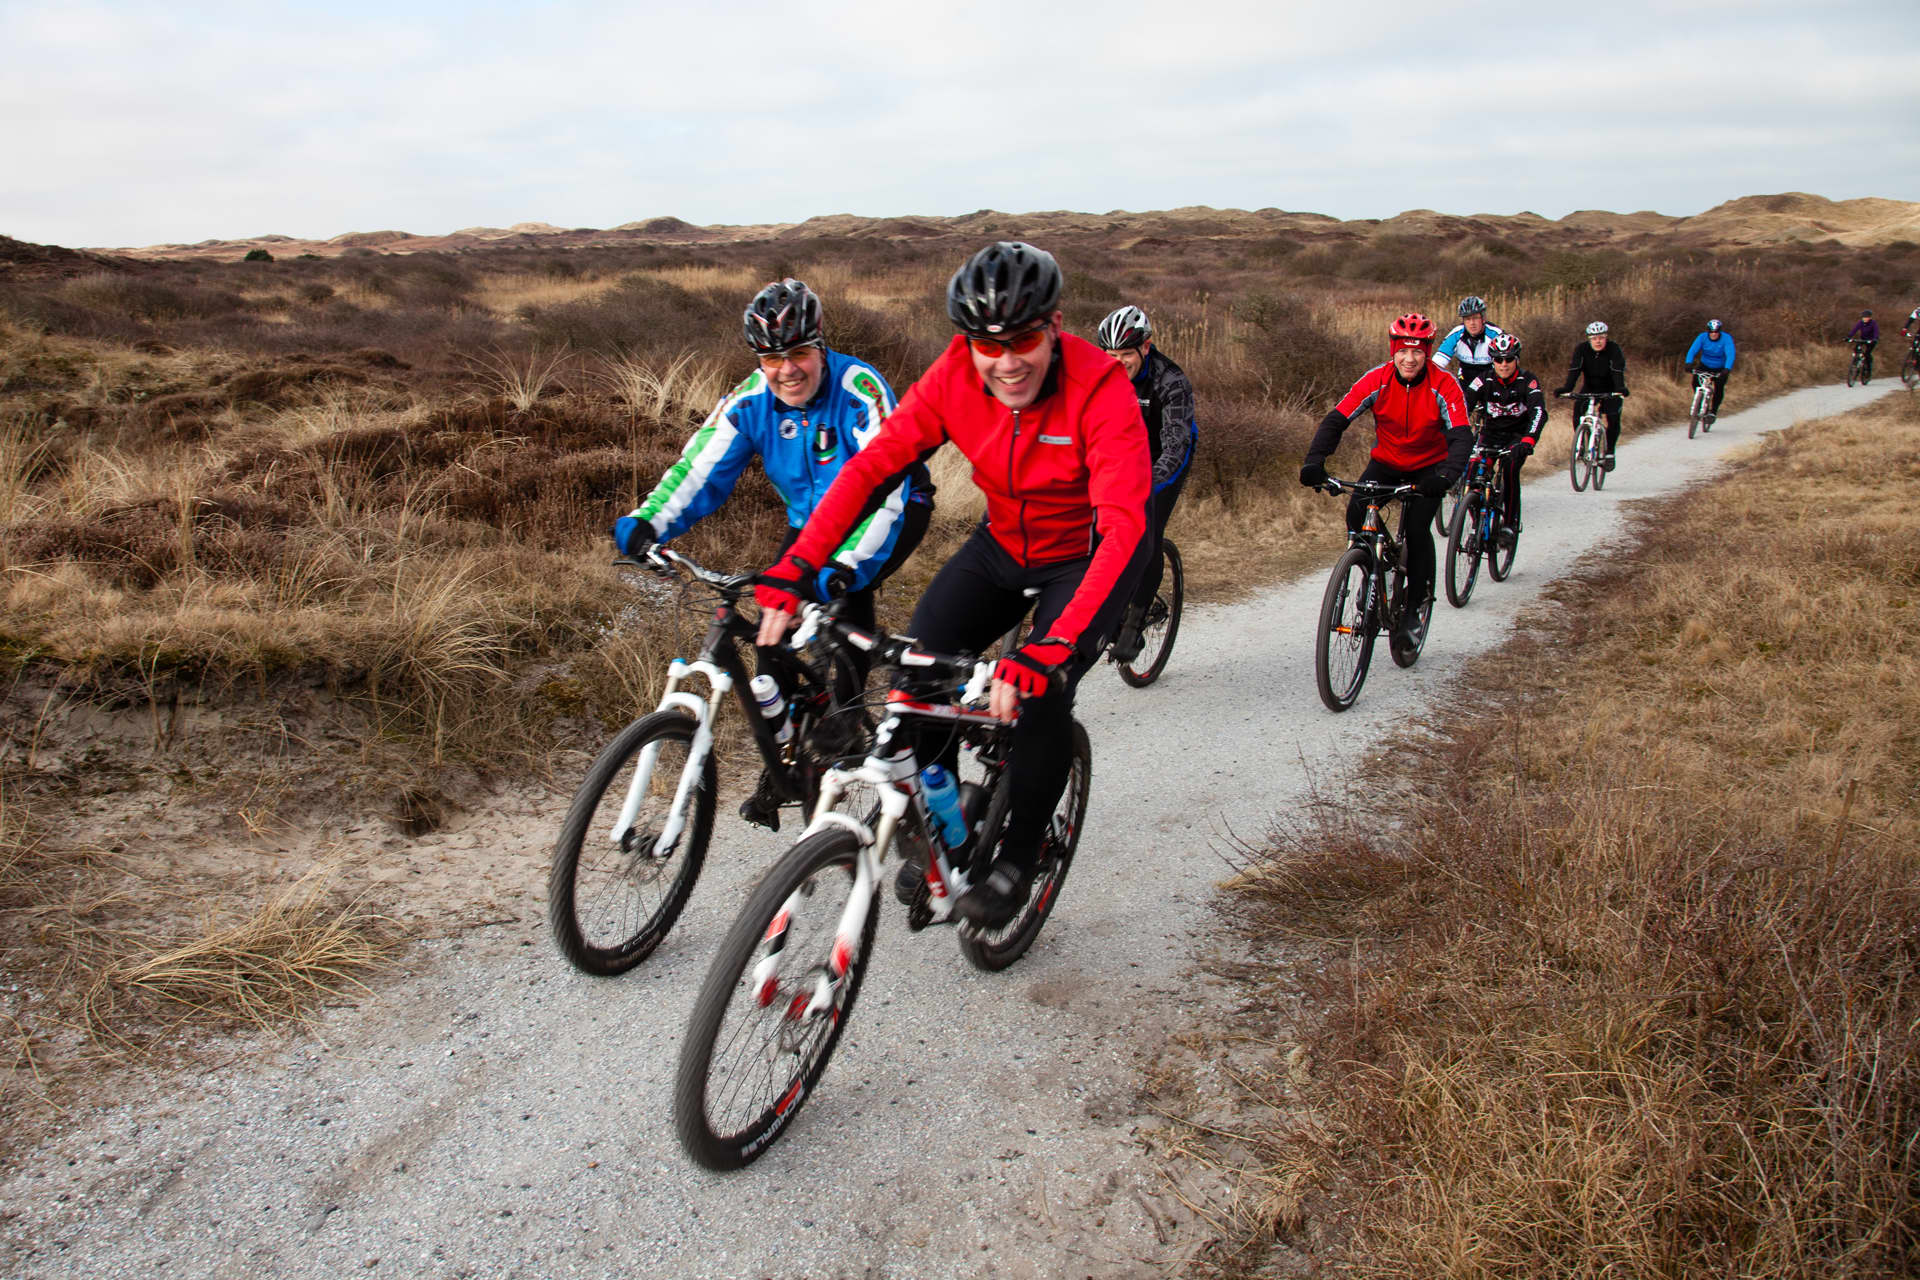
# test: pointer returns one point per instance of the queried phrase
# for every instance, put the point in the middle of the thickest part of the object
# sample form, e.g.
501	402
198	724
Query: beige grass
1635	995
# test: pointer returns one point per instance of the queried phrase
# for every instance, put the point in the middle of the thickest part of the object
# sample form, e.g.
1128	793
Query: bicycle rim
995	949
1910	372
1344	644
1463	552
1578	464
1162	624
1597	467
611	902
773	1005
1500	555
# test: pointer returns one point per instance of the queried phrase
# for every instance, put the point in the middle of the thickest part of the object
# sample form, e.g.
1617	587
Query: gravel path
491	1113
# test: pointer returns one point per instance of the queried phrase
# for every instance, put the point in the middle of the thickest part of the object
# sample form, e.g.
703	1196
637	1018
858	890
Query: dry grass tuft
278	964
1637	995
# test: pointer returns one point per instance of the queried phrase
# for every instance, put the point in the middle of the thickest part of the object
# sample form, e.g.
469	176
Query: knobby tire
1162	624
609	906
1463	551
1343	646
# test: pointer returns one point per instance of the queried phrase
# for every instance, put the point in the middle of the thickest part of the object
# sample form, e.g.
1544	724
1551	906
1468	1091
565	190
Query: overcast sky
134	124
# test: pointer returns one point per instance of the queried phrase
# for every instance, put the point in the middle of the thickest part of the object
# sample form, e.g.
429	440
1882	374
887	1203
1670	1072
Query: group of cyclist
1865	336
1081	450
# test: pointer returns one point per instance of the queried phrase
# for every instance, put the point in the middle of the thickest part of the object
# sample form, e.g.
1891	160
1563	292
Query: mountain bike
636	835
1157	633
1700	411
1482	526
1910	367
1857	368
1588	461
1366	594
780	990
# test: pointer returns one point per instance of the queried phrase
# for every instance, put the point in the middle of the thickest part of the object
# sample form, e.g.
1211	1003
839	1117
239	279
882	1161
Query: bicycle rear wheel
773	1005
1463	551
610	900
1343	646
1162	622
995	949
1597	466
1910	371
1505	542
1579	463
1403	655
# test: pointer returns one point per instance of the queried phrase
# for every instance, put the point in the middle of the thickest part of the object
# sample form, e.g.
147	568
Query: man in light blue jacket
1712	351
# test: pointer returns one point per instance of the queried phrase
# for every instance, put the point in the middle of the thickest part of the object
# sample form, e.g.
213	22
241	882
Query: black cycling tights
972	601
1418	526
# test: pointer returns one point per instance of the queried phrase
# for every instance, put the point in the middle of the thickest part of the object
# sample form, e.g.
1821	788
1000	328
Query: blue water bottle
943	802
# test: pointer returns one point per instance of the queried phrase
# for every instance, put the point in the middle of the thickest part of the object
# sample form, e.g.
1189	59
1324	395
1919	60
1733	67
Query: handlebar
1367	488
1591	395
665	561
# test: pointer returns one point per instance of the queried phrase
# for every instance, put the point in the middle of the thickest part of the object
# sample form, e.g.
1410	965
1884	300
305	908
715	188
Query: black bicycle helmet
1127	327
1006	286
782	316
1472	305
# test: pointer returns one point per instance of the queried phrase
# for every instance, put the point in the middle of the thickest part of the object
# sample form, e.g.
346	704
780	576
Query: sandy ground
489	1112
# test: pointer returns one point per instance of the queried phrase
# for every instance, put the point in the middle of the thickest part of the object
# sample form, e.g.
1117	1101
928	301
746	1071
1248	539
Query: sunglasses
1506	359
1019	344
774	359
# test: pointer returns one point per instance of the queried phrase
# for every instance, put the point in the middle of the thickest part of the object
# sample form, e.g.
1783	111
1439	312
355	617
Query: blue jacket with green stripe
802	451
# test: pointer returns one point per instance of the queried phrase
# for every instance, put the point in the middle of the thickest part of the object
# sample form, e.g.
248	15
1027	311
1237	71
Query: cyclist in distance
1866	330
1712	351
1166	402
1467	350
1603	365
1911	329
805	411
1422	439
1053	430
1516	413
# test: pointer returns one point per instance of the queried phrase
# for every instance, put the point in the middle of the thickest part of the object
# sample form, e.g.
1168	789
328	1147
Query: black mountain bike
1366	594
1910	367
1482	526
636	835
1157	633
783	985
1857	367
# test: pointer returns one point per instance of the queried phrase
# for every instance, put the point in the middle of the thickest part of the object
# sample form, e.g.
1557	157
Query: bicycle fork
704	713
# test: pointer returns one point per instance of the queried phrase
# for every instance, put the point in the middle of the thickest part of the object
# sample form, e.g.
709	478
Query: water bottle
773	707
943	802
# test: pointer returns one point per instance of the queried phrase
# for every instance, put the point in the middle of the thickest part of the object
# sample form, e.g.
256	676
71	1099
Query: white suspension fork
704	713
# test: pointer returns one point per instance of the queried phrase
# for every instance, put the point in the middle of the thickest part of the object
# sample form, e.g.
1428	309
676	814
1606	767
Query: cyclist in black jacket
1166	403
1516	414
1601	362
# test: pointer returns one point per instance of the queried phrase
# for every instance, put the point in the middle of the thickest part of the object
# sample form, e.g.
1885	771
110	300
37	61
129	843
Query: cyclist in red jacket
1422	439
1053	430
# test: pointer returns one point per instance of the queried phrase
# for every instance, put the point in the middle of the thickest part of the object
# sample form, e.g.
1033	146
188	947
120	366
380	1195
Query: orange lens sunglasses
1020	344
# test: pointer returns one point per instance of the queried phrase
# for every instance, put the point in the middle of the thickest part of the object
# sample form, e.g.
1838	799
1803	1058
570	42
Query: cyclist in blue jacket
1467	350
1712	351
804	412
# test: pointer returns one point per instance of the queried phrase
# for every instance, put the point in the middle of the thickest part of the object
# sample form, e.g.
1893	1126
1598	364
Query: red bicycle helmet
1411	330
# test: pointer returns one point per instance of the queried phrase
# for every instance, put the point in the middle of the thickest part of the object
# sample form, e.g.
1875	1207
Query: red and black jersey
1066	477
1417	424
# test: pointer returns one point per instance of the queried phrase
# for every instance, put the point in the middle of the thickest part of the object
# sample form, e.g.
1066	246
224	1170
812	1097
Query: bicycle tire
1162	624
1853	371
1463	545
1500	555
993	950
1597	468
1695	412
1346	630
1579	465
598	912
777	1011
1910	370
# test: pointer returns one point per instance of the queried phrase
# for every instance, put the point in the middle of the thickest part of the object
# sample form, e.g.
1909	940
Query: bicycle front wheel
1910	371
614	891
1344	645
1695	412
995	949
1162	622
1463	551
1853	371
773	1004
1580	462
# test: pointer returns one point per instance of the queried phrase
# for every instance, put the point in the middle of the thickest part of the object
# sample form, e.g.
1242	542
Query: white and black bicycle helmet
1713	326
1598	326
1472	305
782	316
1006	286
1128	327
1505	347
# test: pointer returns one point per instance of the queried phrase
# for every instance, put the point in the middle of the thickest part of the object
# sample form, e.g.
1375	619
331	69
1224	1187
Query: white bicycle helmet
1124	328
1598	326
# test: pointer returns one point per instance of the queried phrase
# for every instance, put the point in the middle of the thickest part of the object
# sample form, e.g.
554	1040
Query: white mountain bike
1588	461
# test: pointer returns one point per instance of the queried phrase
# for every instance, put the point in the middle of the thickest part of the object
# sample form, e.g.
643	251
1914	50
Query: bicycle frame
896	777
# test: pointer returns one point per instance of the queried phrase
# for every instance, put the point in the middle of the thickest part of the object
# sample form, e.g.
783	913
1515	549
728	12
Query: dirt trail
492	1113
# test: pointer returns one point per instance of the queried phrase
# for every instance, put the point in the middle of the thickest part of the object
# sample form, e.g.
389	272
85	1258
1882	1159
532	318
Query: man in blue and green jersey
804	412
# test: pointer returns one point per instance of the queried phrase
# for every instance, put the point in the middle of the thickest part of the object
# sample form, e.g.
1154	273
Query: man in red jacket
1422	439
1053	430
